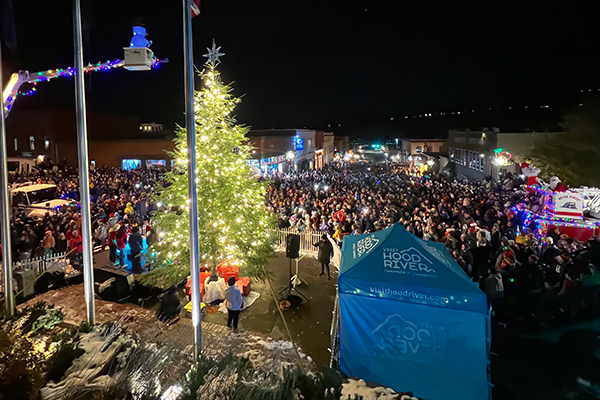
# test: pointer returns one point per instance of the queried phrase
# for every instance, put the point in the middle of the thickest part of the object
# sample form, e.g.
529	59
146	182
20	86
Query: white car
36	200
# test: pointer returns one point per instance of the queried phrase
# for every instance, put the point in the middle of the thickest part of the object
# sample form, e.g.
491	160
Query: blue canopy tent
410	318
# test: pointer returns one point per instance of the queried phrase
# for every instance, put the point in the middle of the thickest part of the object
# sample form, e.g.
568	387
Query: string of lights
543	220
44	76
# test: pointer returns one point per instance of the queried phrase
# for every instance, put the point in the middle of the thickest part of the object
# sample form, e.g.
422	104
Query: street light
290	155
501	161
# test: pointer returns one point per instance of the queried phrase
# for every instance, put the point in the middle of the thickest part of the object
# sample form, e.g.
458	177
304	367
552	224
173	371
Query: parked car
38	199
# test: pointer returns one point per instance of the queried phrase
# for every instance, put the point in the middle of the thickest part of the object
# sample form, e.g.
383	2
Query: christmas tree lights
233	220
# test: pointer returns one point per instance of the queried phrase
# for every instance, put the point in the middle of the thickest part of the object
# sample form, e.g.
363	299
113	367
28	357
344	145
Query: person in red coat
75	246
121	241
111	240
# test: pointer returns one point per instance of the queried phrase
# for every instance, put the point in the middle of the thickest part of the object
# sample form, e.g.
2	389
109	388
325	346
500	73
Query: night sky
355	67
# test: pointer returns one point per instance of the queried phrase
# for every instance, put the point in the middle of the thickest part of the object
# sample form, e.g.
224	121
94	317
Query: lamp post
9	294
190	125
84	176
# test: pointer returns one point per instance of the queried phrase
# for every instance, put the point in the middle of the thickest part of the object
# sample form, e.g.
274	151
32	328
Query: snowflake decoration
213	54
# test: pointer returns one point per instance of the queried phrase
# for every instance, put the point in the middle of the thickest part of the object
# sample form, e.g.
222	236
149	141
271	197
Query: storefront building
489	152
286	150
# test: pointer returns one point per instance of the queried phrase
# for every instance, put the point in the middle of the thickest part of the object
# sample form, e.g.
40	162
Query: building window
156	164
31	143
16	144
131	163
482	164
46	144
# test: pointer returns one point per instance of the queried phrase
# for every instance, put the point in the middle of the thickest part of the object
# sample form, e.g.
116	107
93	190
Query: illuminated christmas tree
233	220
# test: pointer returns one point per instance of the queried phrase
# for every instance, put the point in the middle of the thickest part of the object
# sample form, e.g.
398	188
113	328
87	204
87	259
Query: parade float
549	205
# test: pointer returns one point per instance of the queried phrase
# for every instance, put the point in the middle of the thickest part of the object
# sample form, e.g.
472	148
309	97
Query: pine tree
233	220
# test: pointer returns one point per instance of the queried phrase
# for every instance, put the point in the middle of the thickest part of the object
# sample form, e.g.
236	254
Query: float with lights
547	206
137	57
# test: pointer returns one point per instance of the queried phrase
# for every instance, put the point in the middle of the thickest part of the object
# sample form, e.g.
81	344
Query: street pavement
309	323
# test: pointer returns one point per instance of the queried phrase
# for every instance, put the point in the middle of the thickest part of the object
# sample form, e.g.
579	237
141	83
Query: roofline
33	188
425	140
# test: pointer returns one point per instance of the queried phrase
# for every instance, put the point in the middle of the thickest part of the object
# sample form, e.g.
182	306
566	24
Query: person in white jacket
101	233
234	303
214	289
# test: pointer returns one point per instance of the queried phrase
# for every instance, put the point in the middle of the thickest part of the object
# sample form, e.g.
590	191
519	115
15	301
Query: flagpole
9	294
84	176
190	124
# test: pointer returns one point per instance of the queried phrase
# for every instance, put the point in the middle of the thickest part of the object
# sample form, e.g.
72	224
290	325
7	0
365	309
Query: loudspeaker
292	247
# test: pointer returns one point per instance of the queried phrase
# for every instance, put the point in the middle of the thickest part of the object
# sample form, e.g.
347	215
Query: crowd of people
535	280
120	208
531	279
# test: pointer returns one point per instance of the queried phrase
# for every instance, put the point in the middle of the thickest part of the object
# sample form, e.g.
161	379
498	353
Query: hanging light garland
548	219
44	76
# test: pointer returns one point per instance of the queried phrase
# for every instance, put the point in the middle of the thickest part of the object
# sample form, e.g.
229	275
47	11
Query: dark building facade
53	133
471	153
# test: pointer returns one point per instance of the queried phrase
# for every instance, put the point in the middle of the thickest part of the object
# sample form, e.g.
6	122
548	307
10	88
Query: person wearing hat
233	303
48	243
101	233
75	245
112	220
136	244
481	255
112	242
121	242
494	287
325	253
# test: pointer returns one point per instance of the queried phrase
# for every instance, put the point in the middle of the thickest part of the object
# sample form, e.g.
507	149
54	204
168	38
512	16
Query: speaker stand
291	287
297	279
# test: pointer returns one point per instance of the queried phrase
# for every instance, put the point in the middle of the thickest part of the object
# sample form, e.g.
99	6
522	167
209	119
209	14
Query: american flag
195	5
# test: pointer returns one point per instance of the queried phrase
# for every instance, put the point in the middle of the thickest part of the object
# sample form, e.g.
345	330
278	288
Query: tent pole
333	332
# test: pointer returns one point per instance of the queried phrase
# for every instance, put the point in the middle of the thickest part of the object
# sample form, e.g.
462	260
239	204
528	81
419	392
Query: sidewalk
309	323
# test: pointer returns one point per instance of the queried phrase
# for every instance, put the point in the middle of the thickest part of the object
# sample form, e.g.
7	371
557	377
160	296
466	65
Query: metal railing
307	240
307	243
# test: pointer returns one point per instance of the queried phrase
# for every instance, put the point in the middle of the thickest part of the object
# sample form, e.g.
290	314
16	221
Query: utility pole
9	294
190	125
84	175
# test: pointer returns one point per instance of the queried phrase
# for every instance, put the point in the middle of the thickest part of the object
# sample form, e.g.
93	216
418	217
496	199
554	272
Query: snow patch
360	388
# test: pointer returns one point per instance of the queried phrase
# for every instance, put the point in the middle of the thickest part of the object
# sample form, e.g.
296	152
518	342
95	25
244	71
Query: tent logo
409	262
365	245
397	337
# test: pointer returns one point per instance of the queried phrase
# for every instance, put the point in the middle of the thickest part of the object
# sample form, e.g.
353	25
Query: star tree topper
213	54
